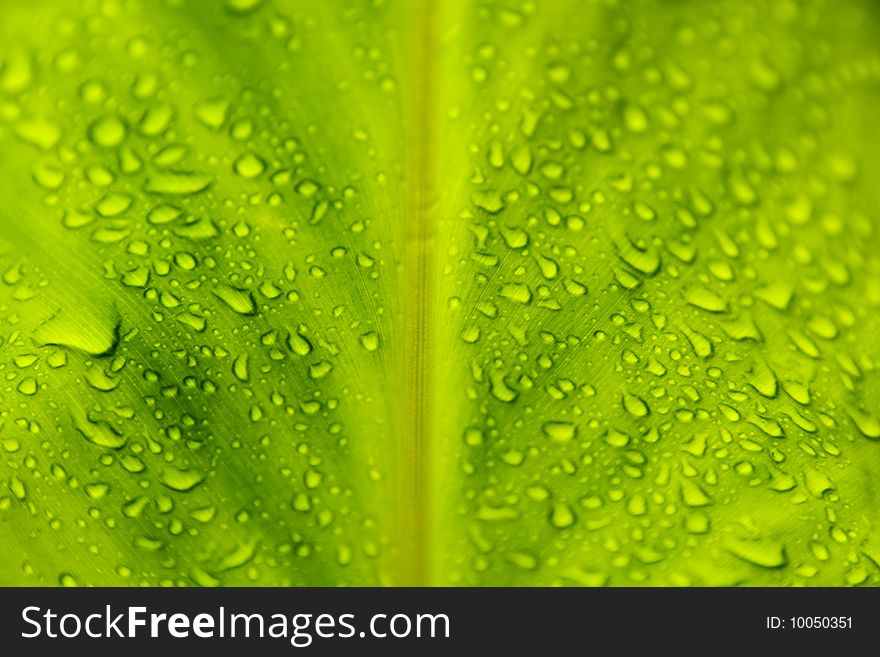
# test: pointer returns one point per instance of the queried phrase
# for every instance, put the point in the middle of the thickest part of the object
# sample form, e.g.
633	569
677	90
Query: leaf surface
439	293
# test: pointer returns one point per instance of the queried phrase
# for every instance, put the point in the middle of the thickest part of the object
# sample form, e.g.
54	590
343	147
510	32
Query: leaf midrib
413	471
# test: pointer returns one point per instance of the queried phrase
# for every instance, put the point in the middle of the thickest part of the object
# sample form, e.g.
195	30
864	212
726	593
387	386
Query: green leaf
477	293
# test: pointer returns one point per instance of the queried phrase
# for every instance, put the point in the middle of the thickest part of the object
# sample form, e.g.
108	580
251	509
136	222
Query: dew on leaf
156	120
108	131
562	516
635	118
299	344
99	433
489	201
113	205
98	379
867	424
704	298
518	292
41	133
500	389
473	437
765	553
559	431
238	300
240	368
181	480
249	165
28	386
179	183
212	113
369	340
320	369
197	228
635	405
95	332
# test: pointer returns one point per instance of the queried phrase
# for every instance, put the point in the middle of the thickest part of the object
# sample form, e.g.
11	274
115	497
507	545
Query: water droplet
869	425
238	300
635	405
818	483
515	238
559	431
113	205
499	388
523	560
616	438
518	292
473	437
489	201
562	516
67	580
243	6
693	495
212	113
91	331
762	552
178	183
249	165
635	118
156	120
299	344
28	386
702	297
108	131
777	294
98	379
181	480
320	369
240	368
99	433
370	340
39	132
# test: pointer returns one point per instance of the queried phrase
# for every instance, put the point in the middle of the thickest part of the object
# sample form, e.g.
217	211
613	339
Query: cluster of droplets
196	314
670	334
